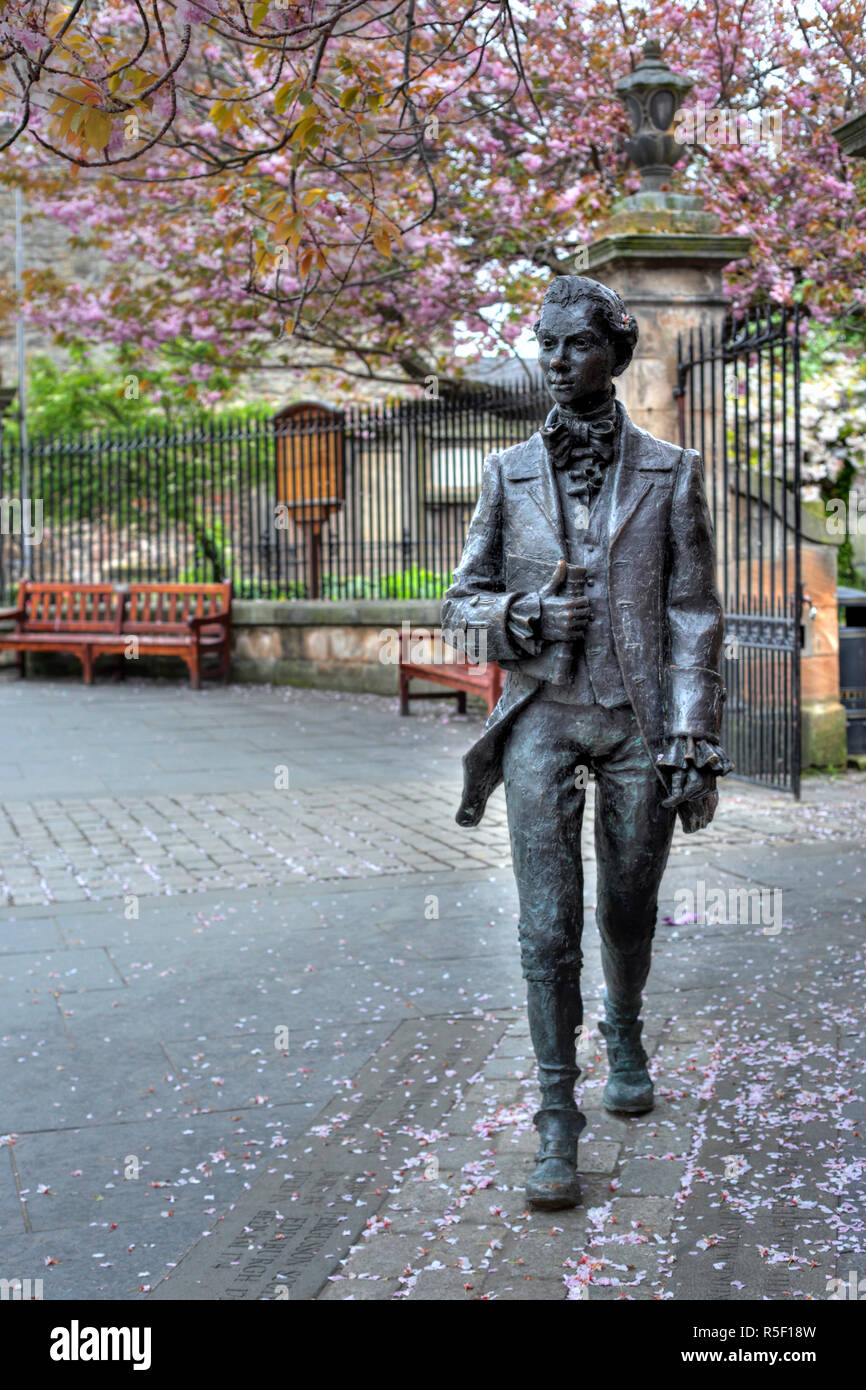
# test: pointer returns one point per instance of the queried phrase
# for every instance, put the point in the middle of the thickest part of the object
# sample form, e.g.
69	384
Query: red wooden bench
462	677
82	619
192	621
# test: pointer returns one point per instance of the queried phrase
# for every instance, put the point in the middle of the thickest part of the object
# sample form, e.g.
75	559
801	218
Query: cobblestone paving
456	1224
68	850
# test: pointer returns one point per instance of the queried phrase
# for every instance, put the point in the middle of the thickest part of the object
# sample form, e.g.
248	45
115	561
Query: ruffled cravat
584	445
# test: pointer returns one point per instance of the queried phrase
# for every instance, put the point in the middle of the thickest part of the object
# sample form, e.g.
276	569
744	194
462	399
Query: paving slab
293	1227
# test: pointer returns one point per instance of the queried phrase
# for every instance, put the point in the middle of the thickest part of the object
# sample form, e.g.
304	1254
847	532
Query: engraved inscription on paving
281	1257
286	1240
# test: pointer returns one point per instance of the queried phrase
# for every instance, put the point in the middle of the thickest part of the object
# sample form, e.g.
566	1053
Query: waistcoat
597	678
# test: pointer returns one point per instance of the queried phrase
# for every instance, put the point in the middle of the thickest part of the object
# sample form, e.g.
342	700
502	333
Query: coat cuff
695	695
477	625
703	752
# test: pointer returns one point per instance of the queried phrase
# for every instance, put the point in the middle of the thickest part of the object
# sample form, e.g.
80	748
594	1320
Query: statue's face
574	353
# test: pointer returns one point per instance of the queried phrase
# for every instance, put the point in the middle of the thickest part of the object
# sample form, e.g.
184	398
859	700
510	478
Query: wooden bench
82	619
192	621
462	677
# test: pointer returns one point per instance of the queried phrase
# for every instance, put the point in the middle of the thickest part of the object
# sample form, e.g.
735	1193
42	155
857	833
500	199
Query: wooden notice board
310	461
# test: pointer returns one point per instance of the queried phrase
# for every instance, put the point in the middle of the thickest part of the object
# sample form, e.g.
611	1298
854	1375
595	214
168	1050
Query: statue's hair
620	324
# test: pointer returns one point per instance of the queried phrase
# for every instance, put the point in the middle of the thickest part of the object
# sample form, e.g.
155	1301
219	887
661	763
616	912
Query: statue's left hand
690	785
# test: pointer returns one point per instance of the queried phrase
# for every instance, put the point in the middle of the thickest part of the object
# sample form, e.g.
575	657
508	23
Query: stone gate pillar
660	250
664	254
667	266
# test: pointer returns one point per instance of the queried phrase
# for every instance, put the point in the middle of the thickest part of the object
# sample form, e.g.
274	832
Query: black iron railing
364	502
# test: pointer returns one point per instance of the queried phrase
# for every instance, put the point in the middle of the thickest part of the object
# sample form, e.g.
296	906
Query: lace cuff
703	752
523	614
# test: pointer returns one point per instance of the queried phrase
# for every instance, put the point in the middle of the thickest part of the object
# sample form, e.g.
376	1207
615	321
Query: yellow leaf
306	261
289	229
382	242
311	196
260	10
58	22
306	130
302	127
71	114
222	115
271	205
98	129
348	98
78	92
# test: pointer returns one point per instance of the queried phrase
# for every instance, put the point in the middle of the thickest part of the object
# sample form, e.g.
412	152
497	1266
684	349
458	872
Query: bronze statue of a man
589	575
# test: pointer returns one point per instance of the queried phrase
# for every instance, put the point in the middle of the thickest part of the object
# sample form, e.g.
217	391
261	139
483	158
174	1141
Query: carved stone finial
651	94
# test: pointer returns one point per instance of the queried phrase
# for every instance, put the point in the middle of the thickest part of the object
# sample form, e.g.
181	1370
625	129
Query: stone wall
327	645
47	246
331	645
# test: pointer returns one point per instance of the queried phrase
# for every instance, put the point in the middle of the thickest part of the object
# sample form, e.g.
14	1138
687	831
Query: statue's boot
629	1088
555	1011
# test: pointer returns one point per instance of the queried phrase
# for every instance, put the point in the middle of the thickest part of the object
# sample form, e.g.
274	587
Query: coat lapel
629	485
533	467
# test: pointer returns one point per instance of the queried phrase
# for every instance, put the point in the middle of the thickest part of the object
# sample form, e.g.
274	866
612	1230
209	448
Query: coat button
590	583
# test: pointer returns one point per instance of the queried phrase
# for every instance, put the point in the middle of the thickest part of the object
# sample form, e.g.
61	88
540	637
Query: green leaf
286	95
306	130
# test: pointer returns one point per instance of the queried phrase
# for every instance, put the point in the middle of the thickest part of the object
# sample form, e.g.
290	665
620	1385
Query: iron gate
739	405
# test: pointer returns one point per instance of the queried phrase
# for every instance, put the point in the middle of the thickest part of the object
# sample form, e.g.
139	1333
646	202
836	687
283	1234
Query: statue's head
586	337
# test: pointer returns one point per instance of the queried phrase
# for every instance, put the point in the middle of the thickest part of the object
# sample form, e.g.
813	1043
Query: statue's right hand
563	619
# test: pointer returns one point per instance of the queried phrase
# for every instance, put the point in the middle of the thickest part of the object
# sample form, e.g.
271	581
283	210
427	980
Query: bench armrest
194	623
16	613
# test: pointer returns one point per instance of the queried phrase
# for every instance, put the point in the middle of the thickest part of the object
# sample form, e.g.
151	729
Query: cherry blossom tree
375	188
